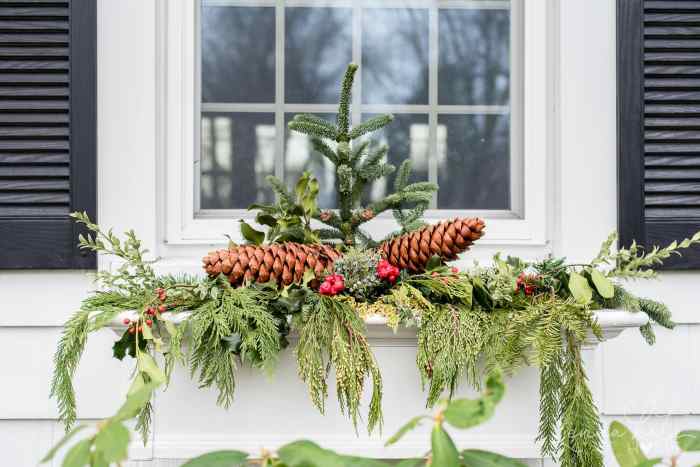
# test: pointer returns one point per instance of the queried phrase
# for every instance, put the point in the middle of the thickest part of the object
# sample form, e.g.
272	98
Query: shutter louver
659	123
47	130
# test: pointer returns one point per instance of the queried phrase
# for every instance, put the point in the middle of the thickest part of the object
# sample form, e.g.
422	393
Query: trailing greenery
471	325
331	333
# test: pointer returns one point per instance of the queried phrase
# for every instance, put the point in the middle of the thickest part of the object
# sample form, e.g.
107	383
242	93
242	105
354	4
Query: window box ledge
612	323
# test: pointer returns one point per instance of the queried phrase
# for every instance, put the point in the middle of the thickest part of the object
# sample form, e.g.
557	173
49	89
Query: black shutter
47	131
658	69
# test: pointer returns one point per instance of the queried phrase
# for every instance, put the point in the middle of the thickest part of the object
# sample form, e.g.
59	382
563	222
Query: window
443	68
471	83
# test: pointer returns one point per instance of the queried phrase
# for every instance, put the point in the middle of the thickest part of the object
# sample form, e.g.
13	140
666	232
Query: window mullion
432	99
356	116
279	90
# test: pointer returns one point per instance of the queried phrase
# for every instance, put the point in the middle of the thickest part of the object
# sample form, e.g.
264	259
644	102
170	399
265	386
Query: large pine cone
287	262
446	239
284	263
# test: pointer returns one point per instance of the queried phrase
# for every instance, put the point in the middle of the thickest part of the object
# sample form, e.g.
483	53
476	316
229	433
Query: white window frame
179	120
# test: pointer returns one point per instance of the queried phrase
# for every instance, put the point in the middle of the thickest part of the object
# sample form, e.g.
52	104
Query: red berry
127	320
435	274
162	308
326	288
150	310
149	322
337	287
139	329
455	270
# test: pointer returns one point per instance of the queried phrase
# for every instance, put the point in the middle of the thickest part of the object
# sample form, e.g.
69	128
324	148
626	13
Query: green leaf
309	454
52	452
78	455
495	389
135	402
651	462
479	458
265	219
250	234
625	446
689	440
603	285
579	288
136	385
149	366
434	262
410	425
466	413
113	441
219	459
444	451
146	332
411	463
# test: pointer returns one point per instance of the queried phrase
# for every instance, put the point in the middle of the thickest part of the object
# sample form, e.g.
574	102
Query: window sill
612	323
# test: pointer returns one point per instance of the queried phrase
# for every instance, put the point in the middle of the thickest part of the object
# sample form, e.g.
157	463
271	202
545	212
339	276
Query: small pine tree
356	167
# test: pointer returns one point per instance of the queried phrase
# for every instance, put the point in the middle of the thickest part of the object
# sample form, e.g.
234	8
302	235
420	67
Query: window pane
473	162
237	152
407	138
395	56
318	47
299	156
238	54
474	59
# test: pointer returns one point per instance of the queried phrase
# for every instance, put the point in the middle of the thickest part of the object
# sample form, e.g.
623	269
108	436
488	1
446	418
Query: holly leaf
579	288
602	284
250	234
121	346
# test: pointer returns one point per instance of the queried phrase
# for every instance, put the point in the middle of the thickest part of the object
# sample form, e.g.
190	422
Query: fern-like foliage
234	323
332	334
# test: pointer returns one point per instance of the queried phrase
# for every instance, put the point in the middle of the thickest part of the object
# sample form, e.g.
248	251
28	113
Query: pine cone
446	239
284	263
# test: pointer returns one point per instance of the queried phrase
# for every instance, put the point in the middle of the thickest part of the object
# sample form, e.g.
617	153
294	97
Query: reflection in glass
299	155
395	56
474	60
237	152
318	47
407	138
473	162
238	54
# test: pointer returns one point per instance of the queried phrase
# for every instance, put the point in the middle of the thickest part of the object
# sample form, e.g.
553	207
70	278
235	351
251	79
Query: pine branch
314	120
357	152
144	421
373	124
658	312
312	129
280	189
344	106
325	150
70	348
550	407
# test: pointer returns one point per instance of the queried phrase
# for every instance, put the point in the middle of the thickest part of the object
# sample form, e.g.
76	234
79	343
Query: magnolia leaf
579	288
265	219
602	284
444	452
410	425
250	234
219	459
49	455
625	446
689	440
170	327
113	441
78	455
136	385
466	413
309	454
479	458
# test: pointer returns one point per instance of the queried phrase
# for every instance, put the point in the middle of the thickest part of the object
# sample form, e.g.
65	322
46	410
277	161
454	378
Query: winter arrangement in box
320	282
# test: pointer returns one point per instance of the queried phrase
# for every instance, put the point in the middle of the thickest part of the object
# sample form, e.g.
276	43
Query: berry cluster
528	283
387	271
332	285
